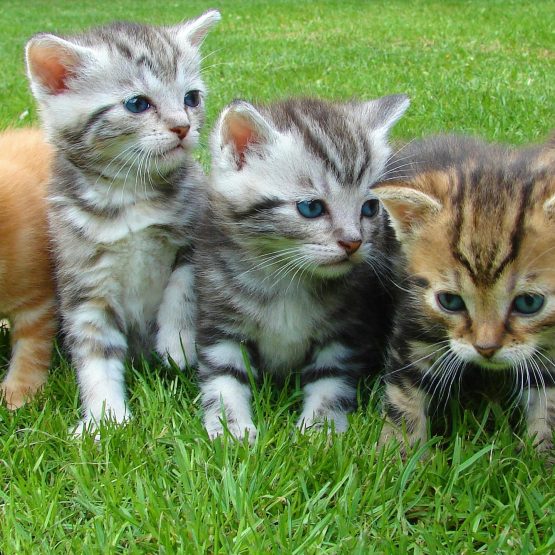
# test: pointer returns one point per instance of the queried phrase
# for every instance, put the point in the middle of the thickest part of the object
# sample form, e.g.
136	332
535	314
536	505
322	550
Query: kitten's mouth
174	150
489	364
338	263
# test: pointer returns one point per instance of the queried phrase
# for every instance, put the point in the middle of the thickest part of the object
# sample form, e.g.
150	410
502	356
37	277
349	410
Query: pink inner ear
50	70
241	135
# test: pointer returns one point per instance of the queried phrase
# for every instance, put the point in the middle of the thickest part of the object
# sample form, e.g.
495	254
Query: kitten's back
25	160
26	282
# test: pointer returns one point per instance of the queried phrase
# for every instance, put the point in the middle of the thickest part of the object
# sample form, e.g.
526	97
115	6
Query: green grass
159	485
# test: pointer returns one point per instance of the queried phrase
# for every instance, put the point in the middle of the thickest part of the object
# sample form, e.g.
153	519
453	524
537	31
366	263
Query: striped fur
476	221
27	290
125	195
277	291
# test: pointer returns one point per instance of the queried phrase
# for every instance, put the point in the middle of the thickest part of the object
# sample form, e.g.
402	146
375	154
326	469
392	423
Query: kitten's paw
16	395
179	347
329	421
391	435
543	443
90	425
239	430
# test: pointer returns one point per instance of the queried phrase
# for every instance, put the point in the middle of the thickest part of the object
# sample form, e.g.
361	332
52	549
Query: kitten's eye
137	104
529	303
311	208
451	302
192	99
370	208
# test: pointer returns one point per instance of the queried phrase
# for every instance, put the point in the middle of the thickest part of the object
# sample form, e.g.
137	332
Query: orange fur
477	224
27	287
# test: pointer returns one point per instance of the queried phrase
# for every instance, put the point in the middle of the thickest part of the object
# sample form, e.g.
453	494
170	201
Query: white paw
179	347
329	420
91	425
239	430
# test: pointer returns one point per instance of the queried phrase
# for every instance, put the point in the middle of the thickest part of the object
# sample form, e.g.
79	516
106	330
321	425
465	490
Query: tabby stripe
311	375
458	203
262	206
240	375
312	142
518	231
95	116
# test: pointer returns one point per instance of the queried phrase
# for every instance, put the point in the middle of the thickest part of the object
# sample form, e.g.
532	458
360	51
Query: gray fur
293	310
124	197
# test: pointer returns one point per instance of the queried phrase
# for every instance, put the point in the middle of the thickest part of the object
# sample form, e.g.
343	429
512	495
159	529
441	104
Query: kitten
295	254
27	291
477	227
122	104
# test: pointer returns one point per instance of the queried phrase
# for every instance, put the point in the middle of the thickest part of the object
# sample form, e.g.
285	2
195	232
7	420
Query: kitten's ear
408	208
384	112
52	61
194	30
244	130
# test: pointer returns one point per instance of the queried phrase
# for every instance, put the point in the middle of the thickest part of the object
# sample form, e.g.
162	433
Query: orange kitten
27	290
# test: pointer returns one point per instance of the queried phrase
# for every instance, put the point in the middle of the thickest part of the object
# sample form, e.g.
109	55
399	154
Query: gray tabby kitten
295	255
122	104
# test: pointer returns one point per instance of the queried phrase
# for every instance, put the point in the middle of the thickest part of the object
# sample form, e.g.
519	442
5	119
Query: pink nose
181	131
349	246
487	351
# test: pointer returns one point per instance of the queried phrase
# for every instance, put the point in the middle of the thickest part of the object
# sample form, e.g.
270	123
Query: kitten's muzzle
350	247
487	351
181	131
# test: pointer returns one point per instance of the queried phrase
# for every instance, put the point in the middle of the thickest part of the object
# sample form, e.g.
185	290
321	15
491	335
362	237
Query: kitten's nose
181	131
487	351
349	246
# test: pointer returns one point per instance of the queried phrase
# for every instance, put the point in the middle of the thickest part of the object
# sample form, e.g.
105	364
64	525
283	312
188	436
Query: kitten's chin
171	159
332	270
492	364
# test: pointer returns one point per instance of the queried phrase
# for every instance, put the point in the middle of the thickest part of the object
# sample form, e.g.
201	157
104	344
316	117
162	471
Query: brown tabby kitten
477	227
27	290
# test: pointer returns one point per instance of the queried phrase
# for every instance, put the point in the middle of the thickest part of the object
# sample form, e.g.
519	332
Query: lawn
158	484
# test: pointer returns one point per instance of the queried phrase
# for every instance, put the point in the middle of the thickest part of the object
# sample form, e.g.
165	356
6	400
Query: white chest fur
286	328
141	264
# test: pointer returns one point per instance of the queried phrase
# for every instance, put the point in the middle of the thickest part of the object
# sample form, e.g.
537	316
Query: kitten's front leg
32	335
540	416
225	389
176	318
98	346
329	388
404	406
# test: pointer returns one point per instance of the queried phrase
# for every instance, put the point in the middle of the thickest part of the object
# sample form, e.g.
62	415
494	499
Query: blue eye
192	99
451	302
370	208
311	208
529	303
137	104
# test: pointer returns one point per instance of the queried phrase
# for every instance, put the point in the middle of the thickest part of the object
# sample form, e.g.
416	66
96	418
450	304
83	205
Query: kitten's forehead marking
333	139
477	242
151	50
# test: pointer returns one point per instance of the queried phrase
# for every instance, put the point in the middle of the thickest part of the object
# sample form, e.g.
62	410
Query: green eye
451	302
529	303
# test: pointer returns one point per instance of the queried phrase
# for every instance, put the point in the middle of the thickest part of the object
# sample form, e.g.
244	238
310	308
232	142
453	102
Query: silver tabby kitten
295	251
122	104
